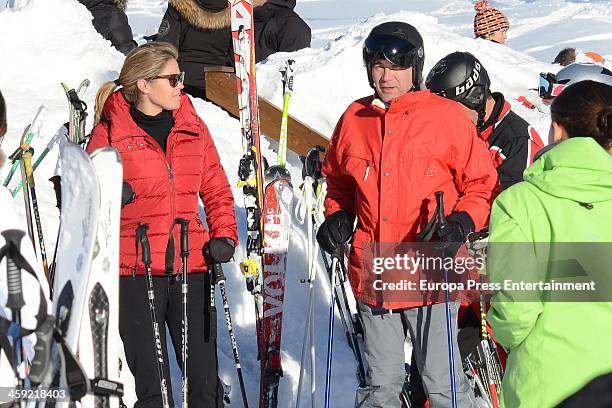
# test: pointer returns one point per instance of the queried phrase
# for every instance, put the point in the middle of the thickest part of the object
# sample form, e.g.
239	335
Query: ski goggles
173	79
398	51
549	87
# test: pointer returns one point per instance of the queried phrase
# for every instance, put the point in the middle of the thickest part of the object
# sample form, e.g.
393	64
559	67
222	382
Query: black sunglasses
174	79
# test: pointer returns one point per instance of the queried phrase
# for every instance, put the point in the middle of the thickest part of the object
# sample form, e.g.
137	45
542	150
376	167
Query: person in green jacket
556	348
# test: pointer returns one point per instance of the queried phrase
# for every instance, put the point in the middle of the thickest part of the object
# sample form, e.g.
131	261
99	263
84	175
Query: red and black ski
268	206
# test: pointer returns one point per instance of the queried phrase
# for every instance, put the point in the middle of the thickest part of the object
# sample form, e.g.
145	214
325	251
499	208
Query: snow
52	41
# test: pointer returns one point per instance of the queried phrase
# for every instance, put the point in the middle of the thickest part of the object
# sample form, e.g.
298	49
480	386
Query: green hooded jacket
555	348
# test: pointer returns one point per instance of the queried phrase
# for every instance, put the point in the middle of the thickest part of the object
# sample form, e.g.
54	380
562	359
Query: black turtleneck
157	126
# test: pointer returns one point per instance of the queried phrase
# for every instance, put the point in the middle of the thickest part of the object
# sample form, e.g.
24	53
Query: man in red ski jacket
388	156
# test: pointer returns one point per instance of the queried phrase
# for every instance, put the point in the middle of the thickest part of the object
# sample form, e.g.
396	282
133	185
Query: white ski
80	209
99	332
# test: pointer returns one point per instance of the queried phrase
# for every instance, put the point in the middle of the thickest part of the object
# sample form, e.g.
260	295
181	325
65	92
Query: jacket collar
577	169
202	14
117	112
499	112
406	102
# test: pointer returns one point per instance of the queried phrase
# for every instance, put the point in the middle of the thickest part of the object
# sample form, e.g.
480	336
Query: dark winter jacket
385	166
110	21
200	30
167	185
512	142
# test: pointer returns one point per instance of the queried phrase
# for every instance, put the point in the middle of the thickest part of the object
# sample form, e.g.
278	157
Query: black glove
127	194
335	230
455	232
219	250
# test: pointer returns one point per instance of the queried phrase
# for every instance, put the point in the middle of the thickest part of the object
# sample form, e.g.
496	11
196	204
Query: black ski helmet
400	44
461	77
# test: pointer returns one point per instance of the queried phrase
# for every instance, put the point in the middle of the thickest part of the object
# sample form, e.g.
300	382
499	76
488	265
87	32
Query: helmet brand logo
459	89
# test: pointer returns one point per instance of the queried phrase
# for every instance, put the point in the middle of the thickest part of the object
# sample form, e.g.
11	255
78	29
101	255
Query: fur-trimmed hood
199	17
122	4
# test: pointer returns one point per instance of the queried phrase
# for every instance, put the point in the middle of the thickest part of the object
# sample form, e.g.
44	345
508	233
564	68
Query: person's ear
143	86
558	132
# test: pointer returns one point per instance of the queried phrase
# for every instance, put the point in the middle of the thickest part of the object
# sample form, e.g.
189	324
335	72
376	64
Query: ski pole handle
27	163
184	236
14	299
141	236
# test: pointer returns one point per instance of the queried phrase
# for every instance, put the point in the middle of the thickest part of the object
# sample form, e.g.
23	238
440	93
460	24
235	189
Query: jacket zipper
367	171
172	201
171	179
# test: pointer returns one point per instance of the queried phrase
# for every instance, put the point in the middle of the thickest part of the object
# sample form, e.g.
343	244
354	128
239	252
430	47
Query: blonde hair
145	61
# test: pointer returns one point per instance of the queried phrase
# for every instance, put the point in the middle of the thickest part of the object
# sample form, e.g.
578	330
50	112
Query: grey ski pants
384	335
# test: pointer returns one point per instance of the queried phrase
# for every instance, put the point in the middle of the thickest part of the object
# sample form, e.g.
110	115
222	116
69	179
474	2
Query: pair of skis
86	287
268	199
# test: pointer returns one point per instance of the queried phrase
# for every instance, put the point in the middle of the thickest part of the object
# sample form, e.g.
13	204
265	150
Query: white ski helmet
582	71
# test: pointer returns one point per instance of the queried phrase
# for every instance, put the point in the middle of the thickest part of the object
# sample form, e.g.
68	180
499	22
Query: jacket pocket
199	236
358	165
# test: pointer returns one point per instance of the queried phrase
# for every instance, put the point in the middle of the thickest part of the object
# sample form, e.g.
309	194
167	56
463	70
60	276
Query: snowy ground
51	41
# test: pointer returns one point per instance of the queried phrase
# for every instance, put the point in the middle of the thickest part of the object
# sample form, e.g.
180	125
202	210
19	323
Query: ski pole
442	223
354	325
40	158
219	277
308	328
57	187
350	330
336	256
311	173
15	157
27	200
143	240
287	78
28	134
27	163
15	301
184	289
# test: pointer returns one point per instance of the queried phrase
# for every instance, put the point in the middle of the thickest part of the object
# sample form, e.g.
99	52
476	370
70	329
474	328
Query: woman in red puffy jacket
169	160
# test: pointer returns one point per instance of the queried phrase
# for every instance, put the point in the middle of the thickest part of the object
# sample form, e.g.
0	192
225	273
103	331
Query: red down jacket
385	165
167	185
